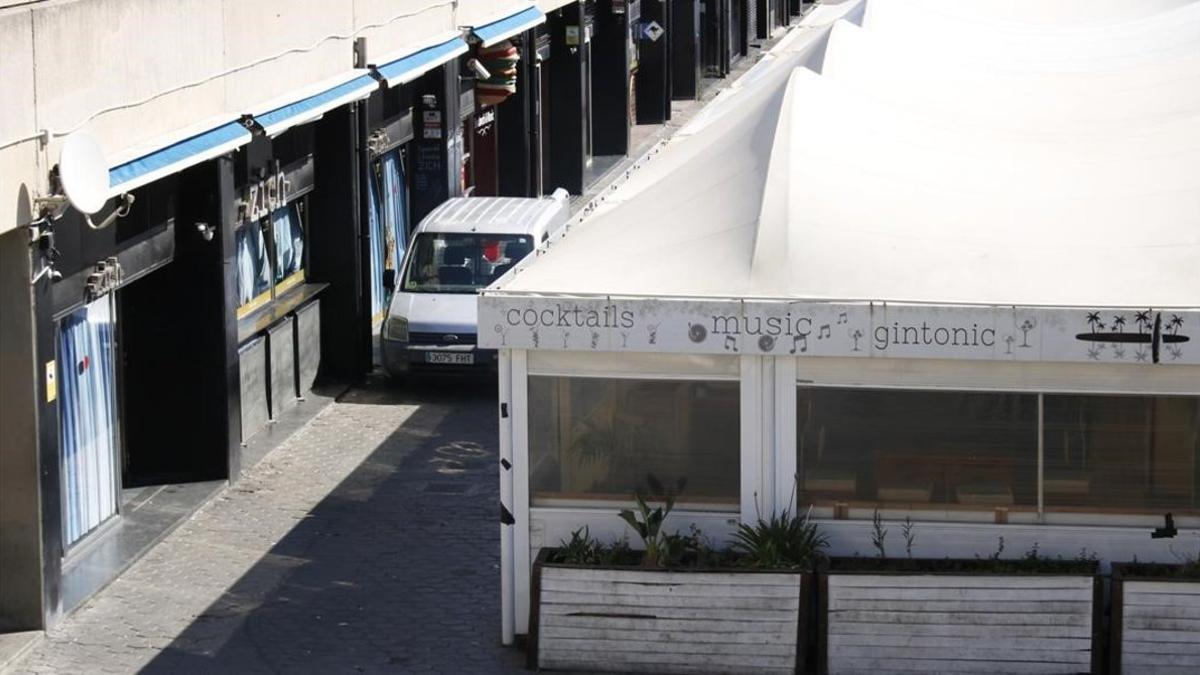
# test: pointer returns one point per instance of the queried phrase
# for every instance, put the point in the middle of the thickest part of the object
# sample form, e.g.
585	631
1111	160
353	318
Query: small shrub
783	541
878	535
909	536
582	549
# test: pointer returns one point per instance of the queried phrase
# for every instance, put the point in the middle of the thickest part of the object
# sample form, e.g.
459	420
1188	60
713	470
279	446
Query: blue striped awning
412	65
502	29
307	109
177	156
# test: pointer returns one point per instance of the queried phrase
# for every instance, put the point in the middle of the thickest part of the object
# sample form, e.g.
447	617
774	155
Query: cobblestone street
368	542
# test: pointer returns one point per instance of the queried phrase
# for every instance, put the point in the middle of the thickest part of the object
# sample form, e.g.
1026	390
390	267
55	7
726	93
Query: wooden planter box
629	619
1155	621
958	621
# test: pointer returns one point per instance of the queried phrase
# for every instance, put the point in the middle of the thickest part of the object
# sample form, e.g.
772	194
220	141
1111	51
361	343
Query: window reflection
1128	454
270	256
598	439
289	241
254	269
971	451
917	449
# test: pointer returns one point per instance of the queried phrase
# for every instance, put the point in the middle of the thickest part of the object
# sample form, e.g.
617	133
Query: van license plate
457	359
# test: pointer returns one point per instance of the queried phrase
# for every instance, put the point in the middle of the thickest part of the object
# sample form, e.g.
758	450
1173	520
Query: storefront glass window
289	242
378	250
388	220
88	417
395	208
270	256
254	266
943	450
1126	454
599	439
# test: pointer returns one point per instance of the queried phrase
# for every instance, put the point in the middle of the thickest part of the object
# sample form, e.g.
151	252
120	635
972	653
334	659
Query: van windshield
461	263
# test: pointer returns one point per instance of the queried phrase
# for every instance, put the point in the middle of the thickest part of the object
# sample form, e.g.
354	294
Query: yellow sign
51	381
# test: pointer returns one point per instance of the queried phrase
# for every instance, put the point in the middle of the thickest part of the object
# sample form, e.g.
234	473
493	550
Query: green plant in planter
782	541
878	534
910	537
582	549
661	548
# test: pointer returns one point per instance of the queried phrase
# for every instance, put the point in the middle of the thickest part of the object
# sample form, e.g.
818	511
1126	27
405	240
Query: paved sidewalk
368	542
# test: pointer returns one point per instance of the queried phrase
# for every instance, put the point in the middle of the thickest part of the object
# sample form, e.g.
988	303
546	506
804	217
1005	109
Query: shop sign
572	35
485	118
804	329
652	31
259	199
106	276
431	124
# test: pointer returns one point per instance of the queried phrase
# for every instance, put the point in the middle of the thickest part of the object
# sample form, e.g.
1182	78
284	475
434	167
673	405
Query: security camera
205	230
477	67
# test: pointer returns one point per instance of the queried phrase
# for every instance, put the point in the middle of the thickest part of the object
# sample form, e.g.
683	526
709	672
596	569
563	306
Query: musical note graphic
823	332
842	318
730	343
801	340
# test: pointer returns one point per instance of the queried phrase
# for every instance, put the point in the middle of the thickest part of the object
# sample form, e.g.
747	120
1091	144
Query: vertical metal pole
519	419
1041	456
507	610
752	489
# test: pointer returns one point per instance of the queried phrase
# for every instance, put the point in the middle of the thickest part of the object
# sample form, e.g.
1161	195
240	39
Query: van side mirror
389	279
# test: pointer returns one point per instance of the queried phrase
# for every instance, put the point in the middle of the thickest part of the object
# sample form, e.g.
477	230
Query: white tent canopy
955	201
891	207
909	182
965	35
832	187
909	75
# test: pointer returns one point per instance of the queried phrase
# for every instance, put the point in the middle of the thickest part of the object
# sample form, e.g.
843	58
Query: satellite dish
83	172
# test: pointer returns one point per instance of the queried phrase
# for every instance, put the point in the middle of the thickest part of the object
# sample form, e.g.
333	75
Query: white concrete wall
19	168
420	21
169	64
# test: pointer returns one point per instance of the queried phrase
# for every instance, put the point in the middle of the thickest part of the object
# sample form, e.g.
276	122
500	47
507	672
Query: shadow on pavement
396	570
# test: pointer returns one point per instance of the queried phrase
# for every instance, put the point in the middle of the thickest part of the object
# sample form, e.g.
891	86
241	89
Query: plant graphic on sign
1026	326
1152	330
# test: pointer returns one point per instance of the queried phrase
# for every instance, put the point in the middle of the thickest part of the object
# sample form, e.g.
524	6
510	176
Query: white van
461	247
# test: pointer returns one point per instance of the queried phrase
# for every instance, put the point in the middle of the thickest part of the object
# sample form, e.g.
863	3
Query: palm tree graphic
1118	323
1093	319
1142	319
1174	324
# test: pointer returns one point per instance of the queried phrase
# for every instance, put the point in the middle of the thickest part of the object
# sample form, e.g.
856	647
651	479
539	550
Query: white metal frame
541	526
768	386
